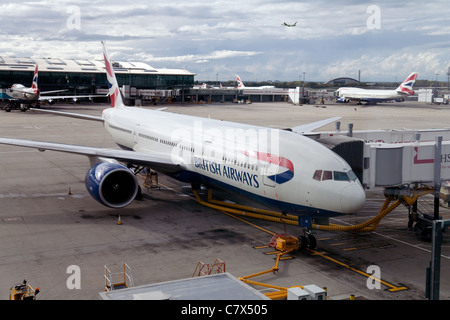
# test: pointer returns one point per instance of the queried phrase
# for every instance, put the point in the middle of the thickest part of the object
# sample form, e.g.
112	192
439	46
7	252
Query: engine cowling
111	184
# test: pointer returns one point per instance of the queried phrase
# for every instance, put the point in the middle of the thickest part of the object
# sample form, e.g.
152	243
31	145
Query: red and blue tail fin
34	85
240	83
114	91
407	85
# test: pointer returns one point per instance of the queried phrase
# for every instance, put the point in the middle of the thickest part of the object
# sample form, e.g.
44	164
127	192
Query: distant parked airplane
242	86
19	95
405	89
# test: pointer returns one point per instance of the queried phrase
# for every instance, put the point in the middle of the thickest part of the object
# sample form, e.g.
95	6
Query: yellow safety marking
231	215
338	244
287	258
361	227
392	287
261	247
272	252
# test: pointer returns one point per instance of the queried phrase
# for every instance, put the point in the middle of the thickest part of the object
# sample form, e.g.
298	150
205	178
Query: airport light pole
303	87
448	80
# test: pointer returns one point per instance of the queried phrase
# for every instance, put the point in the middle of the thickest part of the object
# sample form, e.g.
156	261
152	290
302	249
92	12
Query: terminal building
137	79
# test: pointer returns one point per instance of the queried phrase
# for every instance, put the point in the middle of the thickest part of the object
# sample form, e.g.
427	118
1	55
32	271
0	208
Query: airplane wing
309	127
43	98
78	115
163	163
69	114
53	91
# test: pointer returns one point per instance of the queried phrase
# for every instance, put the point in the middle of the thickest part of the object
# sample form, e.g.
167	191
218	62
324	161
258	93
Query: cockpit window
322	175
327	175
352	175
317	175
341	176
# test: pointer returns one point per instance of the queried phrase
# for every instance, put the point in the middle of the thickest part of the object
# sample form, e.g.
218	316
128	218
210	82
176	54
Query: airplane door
269	171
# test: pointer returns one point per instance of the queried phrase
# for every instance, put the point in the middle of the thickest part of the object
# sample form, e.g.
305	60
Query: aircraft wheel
303	243
312	242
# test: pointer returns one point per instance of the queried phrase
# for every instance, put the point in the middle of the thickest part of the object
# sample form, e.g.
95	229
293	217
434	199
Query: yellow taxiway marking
392	287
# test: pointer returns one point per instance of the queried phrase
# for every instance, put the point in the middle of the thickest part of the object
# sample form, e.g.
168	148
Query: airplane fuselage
369	94
22	94
275	167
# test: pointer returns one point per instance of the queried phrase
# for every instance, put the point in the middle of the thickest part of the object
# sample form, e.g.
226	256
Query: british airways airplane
19	95
242	86
282	169
346	94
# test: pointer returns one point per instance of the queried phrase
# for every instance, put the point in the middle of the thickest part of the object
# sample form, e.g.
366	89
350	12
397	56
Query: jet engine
111	184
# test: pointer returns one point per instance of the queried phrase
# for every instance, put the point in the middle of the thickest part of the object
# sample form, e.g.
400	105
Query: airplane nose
353	198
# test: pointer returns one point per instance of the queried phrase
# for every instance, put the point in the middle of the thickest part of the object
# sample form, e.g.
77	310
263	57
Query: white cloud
216	55
207	37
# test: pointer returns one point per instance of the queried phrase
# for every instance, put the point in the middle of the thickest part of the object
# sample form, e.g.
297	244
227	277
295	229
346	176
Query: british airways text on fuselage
227	172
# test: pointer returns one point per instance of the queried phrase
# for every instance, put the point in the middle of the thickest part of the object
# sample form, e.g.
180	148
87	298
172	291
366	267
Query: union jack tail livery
240	83
407	85
34	86
114	92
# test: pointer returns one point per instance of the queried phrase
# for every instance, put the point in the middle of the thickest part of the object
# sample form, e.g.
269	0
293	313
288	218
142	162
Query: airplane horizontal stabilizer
309	127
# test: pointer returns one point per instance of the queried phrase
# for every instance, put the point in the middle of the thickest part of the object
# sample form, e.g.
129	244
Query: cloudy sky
384	39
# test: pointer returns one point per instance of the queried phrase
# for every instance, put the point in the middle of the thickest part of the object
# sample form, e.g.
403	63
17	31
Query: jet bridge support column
434	271
437	175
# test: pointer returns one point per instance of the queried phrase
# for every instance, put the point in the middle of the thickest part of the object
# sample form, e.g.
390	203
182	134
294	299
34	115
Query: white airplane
242	86
289	25
283	169
373	96
19	95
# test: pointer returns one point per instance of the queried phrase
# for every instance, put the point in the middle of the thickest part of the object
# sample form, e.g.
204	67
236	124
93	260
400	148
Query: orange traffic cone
119	221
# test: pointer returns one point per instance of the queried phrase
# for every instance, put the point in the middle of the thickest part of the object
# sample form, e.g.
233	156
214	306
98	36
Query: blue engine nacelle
111	184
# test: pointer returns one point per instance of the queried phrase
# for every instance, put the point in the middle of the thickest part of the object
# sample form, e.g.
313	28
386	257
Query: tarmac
49	225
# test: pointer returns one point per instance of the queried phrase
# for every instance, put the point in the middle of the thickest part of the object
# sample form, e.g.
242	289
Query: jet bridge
406	163
387	158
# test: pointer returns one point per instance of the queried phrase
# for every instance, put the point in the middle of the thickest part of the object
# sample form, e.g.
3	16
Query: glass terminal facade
82	81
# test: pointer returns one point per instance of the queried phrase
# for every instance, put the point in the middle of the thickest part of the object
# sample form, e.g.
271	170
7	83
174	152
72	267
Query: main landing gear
307	241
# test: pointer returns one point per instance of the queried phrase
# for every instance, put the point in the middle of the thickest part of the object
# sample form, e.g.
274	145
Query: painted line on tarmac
393	288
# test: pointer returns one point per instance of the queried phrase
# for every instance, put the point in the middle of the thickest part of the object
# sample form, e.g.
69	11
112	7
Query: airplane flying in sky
280	168
405	89
289	25
19	95
242	86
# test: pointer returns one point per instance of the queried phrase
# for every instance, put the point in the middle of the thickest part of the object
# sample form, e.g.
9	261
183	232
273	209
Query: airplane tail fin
114	92
240	83
407	85
34	85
